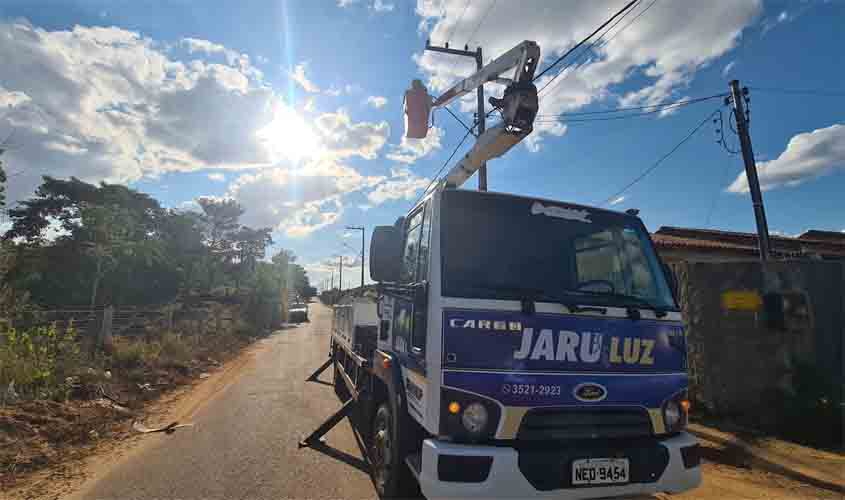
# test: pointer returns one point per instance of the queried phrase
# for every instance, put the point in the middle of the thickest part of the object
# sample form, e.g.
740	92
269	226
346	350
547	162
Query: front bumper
506	480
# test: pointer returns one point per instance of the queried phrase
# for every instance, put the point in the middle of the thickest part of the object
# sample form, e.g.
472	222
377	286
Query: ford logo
589	392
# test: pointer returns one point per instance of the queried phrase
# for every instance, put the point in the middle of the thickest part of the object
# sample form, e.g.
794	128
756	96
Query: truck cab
526	348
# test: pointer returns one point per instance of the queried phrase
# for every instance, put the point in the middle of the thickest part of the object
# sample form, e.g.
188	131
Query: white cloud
335	91
618	200
298	200
664	47
728	67
377	101
12	99
346	3
410	150
381	6
298	76
344	138
402	184
808	155
108	104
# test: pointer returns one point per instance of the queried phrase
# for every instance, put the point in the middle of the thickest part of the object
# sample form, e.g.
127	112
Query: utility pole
340	276
360	228
738	97
481	116
332	282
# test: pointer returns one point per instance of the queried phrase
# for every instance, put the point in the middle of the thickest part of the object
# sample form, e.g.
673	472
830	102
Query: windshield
505	247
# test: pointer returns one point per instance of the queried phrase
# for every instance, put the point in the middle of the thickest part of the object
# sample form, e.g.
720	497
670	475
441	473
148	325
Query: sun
289	136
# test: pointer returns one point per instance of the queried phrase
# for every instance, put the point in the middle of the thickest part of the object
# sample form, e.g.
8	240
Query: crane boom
519	107
523	57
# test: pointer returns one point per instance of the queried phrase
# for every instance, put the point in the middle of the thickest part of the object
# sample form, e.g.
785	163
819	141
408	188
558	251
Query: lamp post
360	228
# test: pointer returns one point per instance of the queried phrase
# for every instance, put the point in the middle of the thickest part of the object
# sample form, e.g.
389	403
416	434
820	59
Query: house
675	244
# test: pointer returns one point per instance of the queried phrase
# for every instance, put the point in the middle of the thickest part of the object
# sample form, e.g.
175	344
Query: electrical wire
596	45
582	42
483	18
456	117
814	92
661	160
455	26
722	141
653	108
436	175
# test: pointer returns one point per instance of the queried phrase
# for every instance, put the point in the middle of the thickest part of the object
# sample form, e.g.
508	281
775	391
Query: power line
455	26
653	108
456	117
661	160
595	45
582	42
434	179
815	92
483	18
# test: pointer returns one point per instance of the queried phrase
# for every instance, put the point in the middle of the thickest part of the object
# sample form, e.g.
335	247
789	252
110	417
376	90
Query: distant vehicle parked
298	313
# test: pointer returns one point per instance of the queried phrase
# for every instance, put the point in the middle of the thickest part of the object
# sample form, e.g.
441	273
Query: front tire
391	475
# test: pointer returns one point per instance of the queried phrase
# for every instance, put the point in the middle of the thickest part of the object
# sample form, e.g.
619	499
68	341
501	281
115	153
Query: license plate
600	471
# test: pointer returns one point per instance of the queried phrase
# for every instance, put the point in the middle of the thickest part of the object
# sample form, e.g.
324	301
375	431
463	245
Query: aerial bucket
417	111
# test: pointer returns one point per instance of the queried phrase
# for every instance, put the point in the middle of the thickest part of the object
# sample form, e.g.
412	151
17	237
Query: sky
294	108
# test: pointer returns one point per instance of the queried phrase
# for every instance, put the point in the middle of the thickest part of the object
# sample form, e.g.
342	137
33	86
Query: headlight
474	418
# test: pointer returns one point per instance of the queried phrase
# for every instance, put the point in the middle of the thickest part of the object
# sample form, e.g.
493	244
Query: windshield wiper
530	295
633	304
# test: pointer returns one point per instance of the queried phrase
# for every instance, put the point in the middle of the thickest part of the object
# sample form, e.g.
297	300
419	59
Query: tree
82	243
220	217
249	245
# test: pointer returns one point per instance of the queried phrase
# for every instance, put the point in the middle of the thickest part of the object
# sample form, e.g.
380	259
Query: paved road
244	442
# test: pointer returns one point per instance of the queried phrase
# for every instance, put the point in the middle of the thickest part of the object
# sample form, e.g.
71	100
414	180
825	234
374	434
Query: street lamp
360	228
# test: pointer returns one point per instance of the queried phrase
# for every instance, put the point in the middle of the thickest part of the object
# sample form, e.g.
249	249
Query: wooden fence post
105	339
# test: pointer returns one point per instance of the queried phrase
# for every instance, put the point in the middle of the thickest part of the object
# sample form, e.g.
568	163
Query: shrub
175	350
129	354
37	360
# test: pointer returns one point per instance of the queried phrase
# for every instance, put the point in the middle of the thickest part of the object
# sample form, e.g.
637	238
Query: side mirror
385	254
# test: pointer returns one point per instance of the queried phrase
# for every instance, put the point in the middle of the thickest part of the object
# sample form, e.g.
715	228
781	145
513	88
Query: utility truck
524	347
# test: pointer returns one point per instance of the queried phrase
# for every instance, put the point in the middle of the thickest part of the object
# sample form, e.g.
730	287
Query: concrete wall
738	362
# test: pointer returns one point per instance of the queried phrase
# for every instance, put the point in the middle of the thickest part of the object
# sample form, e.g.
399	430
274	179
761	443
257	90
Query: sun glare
289	136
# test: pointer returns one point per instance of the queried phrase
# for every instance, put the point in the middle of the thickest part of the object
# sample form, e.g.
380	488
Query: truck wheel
390	474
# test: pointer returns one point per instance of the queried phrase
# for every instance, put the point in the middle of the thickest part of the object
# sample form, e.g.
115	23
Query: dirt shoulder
48	448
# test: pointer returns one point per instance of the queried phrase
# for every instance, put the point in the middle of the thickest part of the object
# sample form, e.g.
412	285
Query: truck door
409	314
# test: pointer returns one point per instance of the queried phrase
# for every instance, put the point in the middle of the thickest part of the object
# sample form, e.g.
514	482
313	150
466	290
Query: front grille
558	424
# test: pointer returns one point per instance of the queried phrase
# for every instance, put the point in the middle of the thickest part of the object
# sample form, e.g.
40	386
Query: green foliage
134	354
175	350
37	360
118	246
